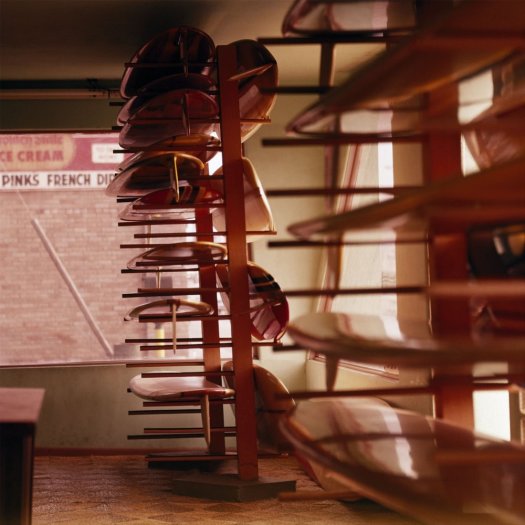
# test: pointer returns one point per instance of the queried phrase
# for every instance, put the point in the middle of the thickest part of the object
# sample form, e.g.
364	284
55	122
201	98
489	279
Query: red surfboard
269	312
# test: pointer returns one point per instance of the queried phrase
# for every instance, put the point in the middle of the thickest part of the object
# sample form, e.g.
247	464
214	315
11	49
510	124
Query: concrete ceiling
75	40
80	39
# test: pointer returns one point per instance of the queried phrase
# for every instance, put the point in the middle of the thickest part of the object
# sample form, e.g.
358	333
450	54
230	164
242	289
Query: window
61	282
372	265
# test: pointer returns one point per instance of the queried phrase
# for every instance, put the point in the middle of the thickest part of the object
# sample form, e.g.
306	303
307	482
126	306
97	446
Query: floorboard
123	490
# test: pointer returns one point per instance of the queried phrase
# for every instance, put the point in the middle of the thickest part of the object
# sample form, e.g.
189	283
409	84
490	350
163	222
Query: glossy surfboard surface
500	141
202	146
170	204
493	135
493	129
172	388
488	111
163	307
269	313
270	405
258	215
148	173
254	101
492	195
424	62
179	254
182	49
387	340
431	470
175	113
307	17
161	86
272	402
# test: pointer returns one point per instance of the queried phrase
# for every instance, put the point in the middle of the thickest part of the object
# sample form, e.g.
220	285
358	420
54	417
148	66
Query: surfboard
177	82
149	172
272	402
170	388
258	215
256	70
203	147
269	313
174	113
179	254
496	136
269	406
489	114
181	49
387	340
169	311
166	389
310	18
183	308
452	48
257	74
493	136
152	161
168	203
434	471
494	195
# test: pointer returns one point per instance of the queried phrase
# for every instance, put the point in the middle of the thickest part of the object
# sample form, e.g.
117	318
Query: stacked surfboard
437	471
170	129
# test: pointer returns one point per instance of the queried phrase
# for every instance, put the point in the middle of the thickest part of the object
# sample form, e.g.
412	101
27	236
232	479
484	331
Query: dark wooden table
19	412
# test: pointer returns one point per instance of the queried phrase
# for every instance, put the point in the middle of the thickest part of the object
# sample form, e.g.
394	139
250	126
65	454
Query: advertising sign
58	161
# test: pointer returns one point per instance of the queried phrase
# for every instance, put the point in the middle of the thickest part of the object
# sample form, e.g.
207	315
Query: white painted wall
87	406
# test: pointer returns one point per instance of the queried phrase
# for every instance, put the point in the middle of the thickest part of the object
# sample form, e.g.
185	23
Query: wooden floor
122	489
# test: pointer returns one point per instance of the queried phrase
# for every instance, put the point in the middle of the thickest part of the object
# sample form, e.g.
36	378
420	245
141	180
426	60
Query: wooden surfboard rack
209	400
440	228
413	65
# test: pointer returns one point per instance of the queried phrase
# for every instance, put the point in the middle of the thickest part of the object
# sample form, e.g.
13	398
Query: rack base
229	487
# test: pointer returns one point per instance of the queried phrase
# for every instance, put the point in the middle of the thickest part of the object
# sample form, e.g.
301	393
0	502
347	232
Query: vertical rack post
448	260
238	270
210	333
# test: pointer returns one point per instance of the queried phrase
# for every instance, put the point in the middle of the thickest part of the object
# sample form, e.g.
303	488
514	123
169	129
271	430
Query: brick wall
39	317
